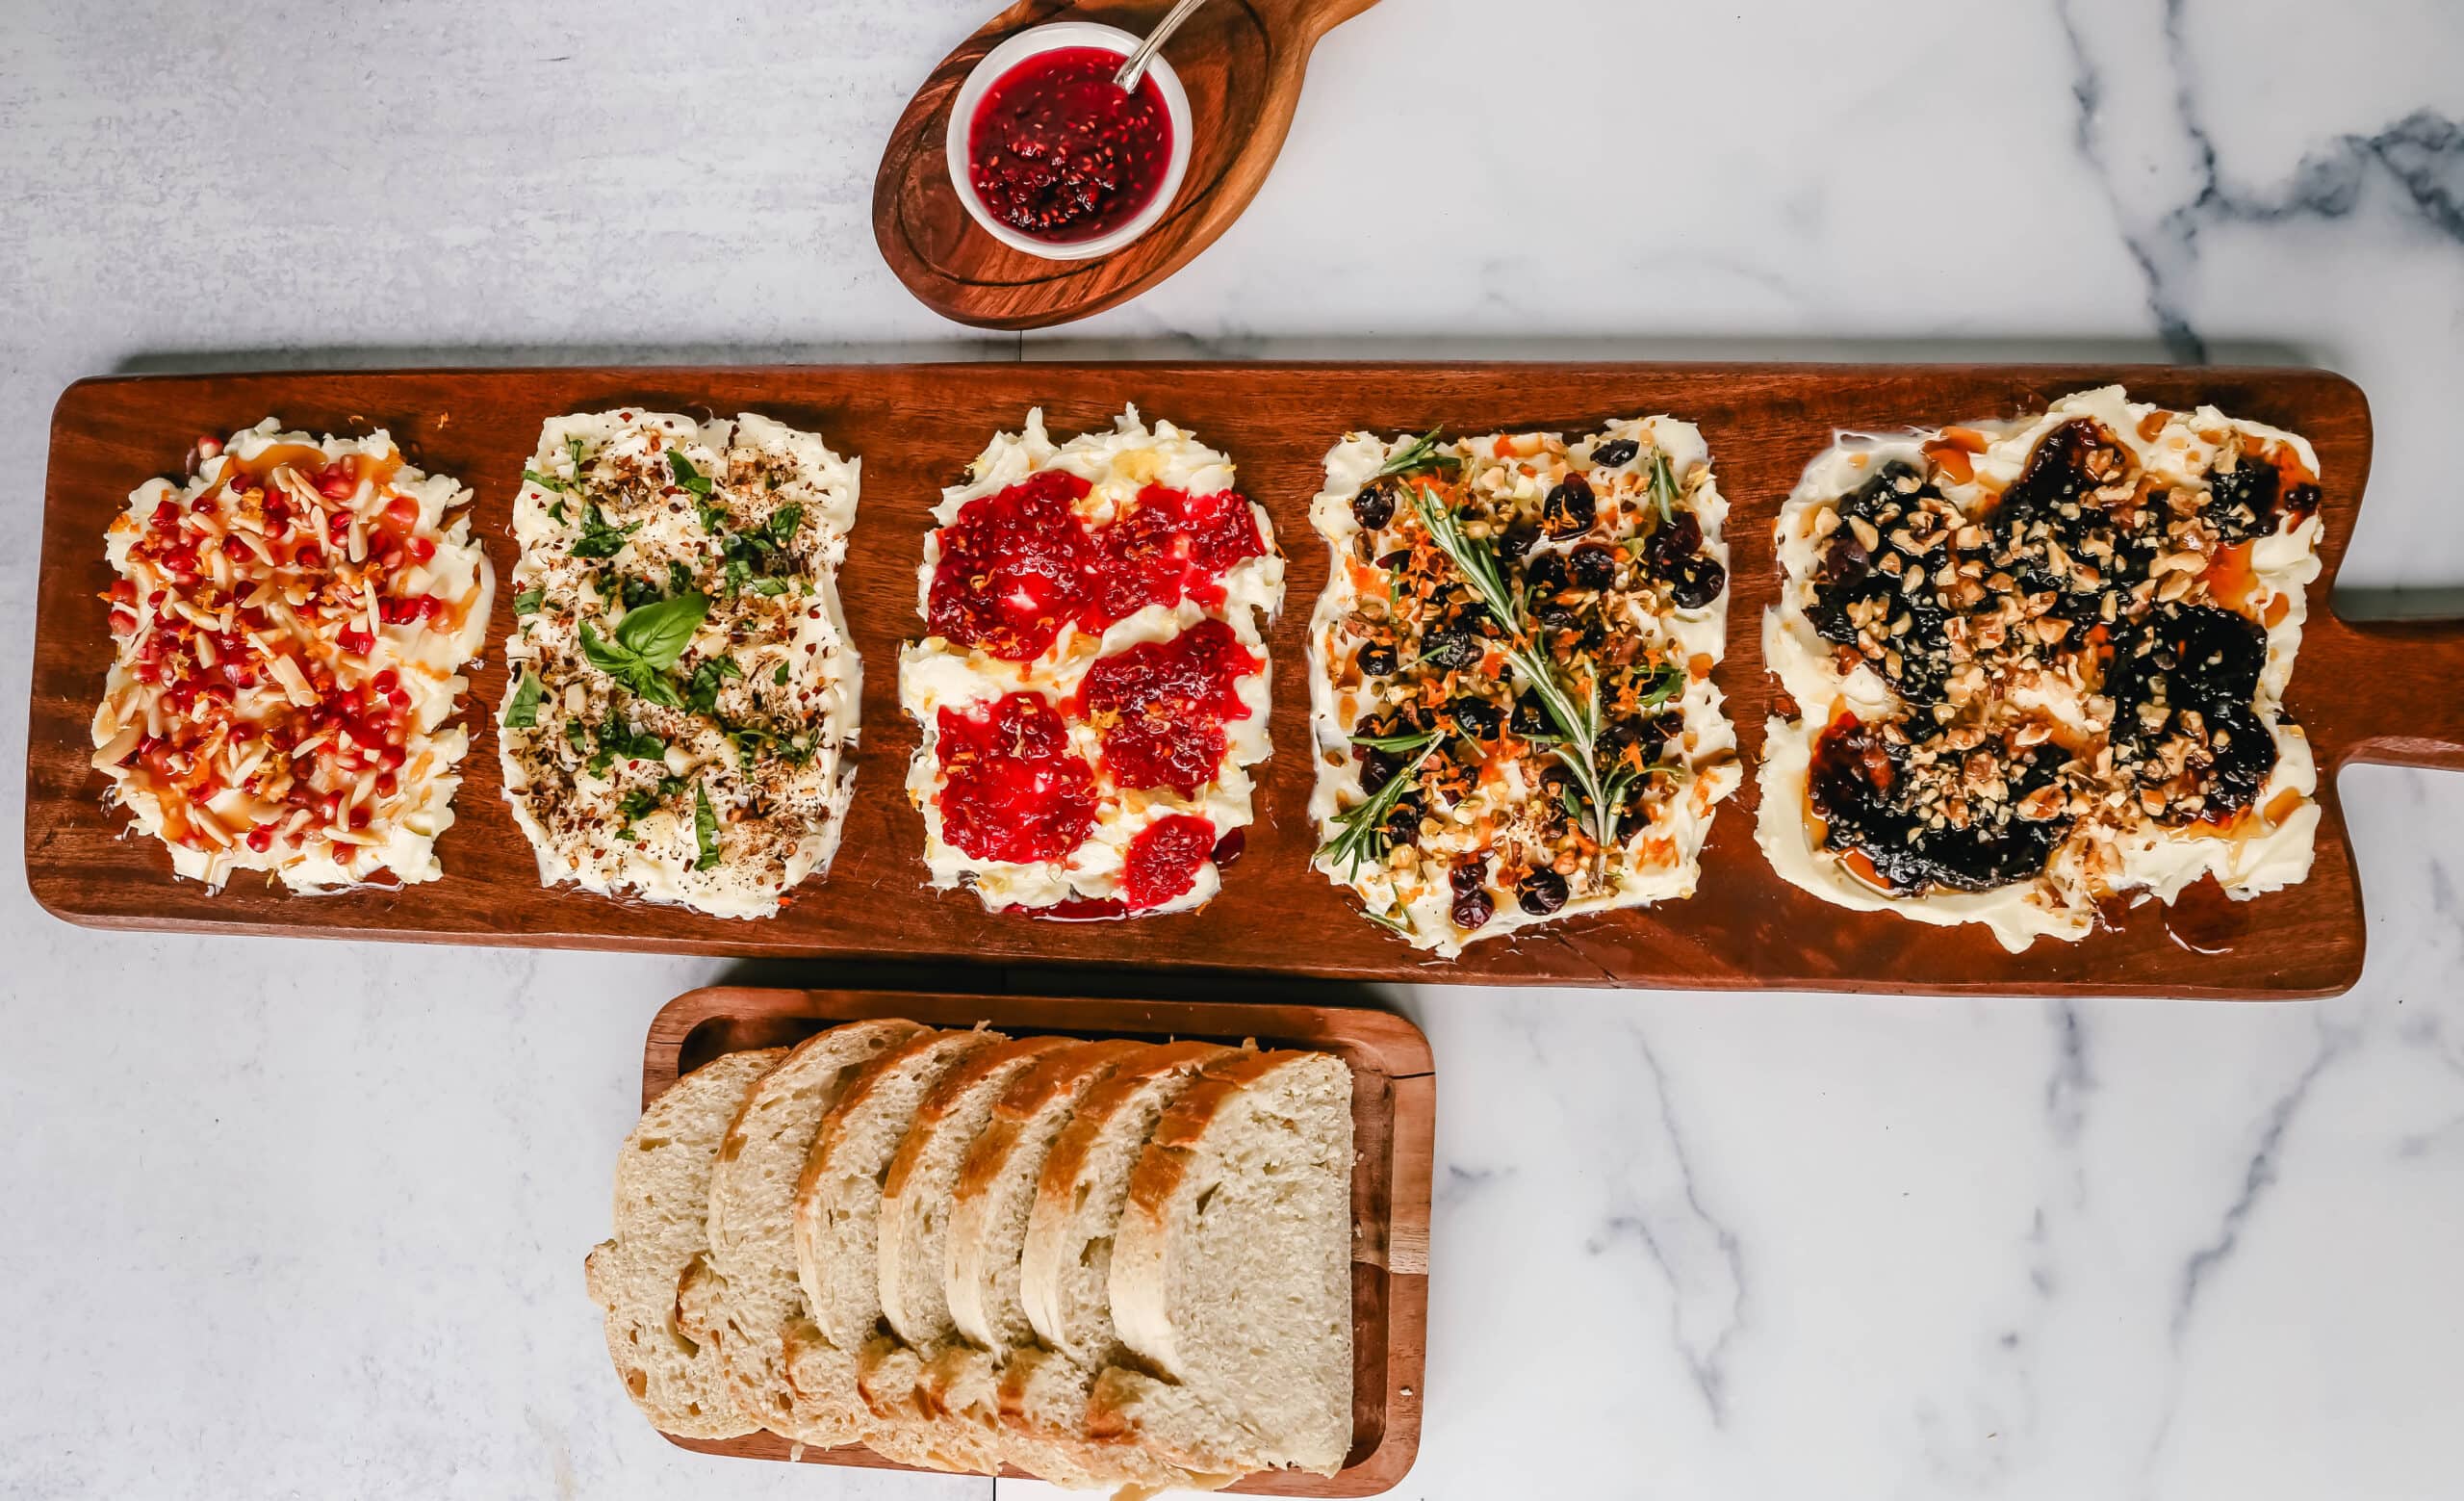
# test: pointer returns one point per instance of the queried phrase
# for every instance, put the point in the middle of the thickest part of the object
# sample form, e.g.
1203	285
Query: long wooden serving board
1394	1124
2364	693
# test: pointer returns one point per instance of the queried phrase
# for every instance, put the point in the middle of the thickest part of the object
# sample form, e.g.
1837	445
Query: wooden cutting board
1394	1126
2364	693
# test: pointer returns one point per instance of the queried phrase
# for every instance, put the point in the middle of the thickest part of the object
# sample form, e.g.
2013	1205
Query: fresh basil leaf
521	710
679	578
659	634
738	574
768	586
638	592
528	600
705	828
780	676
702	690
556	510
543	481
612	658
598	538
685	474
714	518
576	733
784	521
573	445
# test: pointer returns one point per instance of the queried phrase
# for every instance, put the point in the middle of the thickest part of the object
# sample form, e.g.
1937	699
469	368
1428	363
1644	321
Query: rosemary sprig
1578	721
1409	741
1663	486
1418	454
1363	837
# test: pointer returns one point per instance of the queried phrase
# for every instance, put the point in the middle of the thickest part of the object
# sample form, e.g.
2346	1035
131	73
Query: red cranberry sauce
1019	563
1060	152
1164	705
1014	568
1015	789
1164	861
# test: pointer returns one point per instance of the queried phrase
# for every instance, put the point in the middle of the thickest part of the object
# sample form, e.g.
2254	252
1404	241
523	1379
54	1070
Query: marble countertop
314	1227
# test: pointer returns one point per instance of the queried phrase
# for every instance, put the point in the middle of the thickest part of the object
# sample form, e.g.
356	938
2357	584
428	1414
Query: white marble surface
312	1225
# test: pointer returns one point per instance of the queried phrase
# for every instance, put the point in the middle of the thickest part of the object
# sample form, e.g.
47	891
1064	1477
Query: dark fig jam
1058	152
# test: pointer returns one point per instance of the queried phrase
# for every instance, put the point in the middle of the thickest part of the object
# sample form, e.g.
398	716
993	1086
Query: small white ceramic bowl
1048	39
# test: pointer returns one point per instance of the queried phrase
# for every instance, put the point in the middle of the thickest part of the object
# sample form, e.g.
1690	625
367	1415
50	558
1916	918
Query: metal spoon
1134	66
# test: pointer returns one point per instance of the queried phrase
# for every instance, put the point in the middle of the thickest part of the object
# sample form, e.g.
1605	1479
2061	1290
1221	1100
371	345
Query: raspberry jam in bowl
1054	158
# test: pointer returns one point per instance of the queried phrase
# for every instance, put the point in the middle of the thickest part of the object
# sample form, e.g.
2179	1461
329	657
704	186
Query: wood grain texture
1393	1130
1241	62
2363	691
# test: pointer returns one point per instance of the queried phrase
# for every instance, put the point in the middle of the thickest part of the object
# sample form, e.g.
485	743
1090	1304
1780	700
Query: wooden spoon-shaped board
1242	63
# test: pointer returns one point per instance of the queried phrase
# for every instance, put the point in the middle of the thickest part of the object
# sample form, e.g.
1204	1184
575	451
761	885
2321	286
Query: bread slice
1063	1272
1231	1274
655	1258
996	1189
753	1226
915	1226
958	1388
837	1219
1064	1265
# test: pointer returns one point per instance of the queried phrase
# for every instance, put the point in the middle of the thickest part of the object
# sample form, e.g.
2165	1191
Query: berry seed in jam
1060	152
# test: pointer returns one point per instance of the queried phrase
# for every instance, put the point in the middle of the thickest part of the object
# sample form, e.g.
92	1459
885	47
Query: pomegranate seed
421	550
261	838
209	447
391	757
166	516
383	682
122	622
309	556
359	817
338	526
201	505
338	479
388	557
430	606
388	783
399	698
402	513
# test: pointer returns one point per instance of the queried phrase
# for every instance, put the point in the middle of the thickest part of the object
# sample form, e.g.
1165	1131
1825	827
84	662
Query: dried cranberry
1609	456
1476	718
1451	649
1554	615
1530	718
1547	574
1373	505
1376	659
1591	566
1472	910
1517	540
1466	876
1698	581
1403	819
1570	507
1377	767
1677	539
1541	893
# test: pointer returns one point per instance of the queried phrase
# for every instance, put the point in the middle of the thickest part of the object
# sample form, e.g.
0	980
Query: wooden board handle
2398	692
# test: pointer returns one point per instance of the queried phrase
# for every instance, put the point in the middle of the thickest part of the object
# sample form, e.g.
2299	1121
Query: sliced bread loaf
753	1226
1231	1273
1063	1291
1064	1265
915	1226
994	1190
838	1202
657	1254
